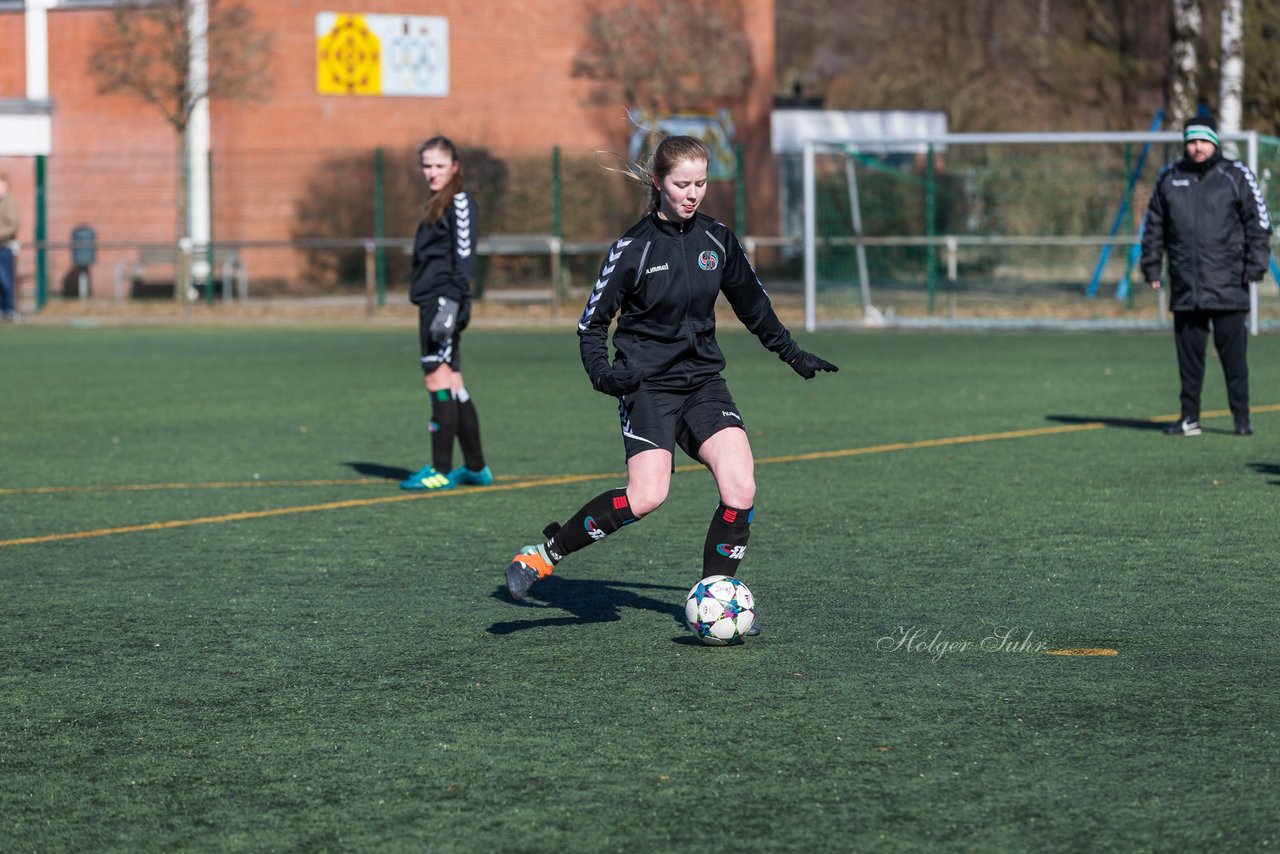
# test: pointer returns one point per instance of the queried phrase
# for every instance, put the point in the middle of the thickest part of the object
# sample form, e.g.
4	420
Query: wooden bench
153	274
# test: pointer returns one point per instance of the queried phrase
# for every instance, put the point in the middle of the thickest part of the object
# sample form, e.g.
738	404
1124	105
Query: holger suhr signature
923	641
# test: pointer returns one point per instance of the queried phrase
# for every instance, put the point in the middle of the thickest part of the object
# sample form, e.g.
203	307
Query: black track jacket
444	255
1212	221
664	277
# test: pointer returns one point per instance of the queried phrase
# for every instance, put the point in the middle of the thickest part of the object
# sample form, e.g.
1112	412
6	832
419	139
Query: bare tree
921	56
1231	83
989	64
1185	32
1107	62
1033	64
145	48
666	56
1262	75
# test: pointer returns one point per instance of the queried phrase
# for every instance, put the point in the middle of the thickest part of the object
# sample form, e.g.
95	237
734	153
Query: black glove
445	321
616	382
807	365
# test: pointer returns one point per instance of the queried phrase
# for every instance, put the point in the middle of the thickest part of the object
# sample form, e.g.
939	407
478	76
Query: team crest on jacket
709	260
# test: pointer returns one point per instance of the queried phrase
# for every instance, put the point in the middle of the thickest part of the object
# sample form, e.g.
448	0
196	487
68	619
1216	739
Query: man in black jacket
1207	213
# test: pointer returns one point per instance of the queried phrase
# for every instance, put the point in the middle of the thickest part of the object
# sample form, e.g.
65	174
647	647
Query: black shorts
437	352
663	418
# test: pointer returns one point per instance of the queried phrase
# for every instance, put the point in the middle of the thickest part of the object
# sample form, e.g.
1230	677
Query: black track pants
1230	338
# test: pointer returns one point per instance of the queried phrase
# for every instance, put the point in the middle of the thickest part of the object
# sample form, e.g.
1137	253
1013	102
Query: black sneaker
1243	427
1183	427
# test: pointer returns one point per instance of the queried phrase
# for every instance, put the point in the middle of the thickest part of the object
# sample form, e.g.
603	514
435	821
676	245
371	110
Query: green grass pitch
223	627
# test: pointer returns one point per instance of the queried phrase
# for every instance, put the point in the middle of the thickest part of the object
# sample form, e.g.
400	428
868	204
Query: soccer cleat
426	478
530	564
1243	427
1183	427
475	477
754	630
520	577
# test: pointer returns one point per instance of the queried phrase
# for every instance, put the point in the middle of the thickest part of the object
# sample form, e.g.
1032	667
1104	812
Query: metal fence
978	231
978	228
324	222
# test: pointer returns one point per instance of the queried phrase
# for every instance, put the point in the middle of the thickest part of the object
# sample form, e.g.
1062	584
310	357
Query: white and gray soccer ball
720	610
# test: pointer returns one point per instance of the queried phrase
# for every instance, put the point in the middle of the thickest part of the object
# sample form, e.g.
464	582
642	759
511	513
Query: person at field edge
1208	215
662	279
10	219
444	263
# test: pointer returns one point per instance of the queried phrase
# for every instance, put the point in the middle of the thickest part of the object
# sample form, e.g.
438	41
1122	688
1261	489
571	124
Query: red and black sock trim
727	537
597	519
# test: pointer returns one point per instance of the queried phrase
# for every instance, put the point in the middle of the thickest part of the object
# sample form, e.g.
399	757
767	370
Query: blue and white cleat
463	476
427	478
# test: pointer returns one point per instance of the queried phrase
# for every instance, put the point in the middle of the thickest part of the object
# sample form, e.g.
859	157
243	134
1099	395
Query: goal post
989	229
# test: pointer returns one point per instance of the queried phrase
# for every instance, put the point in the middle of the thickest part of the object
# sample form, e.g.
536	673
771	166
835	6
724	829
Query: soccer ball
720	610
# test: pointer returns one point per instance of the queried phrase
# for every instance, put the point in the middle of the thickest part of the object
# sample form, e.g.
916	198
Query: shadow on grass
586	601
378	470
1267	469
1128	423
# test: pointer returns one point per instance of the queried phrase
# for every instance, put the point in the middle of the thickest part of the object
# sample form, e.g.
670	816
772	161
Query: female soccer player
444	262
662	278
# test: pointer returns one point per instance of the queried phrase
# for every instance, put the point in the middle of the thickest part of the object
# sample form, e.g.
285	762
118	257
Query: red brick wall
511	91
13	84
13	67
112	165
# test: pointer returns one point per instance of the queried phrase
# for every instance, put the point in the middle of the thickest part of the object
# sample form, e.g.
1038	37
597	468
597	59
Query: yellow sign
382	55
348	59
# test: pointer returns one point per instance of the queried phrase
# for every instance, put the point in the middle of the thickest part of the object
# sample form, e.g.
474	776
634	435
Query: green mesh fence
301	222
995	229
977	230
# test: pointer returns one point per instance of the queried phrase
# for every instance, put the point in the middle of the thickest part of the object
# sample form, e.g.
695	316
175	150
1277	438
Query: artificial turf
224	627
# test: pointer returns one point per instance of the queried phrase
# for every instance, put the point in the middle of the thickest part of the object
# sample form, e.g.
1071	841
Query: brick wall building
112	160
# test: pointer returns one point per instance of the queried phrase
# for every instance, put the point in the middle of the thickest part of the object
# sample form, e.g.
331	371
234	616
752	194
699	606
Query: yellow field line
1083	652
1221	413
228	484
308	508
581	478
935	443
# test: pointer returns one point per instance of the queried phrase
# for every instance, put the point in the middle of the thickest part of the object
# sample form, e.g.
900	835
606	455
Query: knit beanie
1201	127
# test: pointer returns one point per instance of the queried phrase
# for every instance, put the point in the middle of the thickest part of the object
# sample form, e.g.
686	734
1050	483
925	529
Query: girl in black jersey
662	279
444	263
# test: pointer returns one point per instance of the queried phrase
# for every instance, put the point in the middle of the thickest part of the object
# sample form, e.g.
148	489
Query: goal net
993	229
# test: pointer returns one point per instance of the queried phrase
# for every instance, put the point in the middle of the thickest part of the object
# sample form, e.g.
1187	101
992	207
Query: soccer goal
992	229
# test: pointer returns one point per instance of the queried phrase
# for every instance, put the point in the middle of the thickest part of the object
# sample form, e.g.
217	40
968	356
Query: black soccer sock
469	432
444	427
727	537
597	519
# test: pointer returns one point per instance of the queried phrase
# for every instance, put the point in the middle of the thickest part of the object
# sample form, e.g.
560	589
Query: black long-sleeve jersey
662	279
444	254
